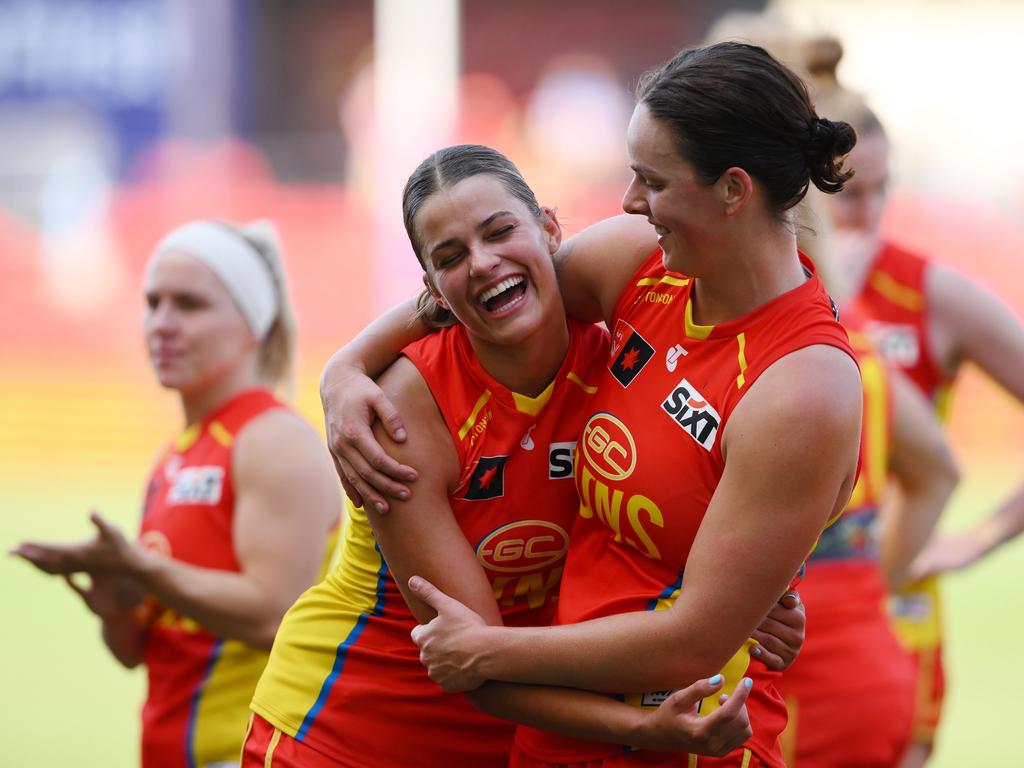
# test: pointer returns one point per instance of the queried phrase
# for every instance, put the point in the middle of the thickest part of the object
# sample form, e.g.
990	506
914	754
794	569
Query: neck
528	367
756	270
201	403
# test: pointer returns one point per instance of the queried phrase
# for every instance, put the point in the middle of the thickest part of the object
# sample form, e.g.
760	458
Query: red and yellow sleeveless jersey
894	303
850	691
199	684
895	300
650	459
344	676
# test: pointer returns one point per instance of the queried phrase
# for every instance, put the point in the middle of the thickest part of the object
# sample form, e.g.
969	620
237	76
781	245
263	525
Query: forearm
575	714
632	652
910	526
378	345
124	637
226	603
1003	525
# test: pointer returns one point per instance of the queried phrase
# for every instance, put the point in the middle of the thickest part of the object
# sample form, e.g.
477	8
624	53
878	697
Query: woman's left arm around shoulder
790	458
286	499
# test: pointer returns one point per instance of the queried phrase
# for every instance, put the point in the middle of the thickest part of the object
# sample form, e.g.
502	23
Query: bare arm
791	448
926	474
968	323
352	402
286	499
285	502
422	536
593	267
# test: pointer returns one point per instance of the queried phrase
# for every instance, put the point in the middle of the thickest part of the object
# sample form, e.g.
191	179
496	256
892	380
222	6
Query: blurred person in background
494	401
857	711
723	143
240	510
926	321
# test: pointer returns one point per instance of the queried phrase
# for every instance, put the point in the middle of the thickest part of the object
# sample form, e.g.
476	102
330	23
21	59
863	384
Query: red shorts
917	618
740	758
268	747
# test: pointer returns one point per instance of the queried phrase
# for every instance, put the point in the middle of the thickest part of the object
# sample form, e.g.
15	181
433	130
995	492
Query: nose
482	260
160	318
634	201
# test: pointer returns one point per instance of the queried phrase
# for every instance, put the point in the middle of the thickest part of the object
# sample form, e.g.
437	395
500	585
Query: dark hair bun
828	142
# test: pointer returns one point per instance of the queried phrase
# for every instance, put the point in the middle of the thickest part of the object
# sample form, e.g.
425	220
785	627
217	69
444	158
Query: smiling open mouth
504	295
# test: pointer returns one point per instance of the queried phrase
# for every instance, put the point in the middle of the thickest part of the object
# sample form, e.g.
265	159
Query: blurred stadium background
122	118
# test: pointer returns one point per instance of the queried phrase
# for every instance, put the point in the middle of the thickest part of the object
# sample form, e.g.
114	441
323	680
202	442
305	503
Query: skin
966	323
475	236
796	485
285	503
821	381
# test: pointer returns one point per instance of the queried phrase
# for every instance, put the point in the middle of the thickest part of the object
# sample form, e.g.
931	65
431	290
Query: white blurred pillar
416	66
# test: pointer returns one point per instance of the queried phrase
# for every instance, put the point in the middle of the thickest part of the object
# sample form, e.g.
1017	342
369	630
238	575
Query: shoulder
815	391
279	447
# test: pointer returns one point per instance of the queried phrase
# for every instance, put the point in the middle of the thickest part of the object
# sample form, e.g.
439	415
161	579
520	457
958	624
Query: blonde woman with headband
240	508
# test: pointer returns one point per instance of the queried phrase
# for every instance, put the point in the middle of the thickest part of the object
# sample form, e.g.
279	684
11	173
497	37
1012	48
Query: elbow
262	636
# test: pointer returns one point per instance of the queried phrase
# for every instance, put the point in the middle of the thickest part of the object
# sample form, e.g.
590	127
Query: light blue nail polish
715	680
756	651
748	683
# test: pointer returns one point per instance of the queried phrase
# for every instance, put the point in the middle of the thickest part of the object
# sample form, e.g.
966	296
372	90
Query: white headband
241	269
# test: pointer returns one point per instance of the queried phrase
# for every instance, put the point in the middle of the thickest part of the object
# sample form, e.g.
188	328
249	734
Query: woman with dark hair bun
724	432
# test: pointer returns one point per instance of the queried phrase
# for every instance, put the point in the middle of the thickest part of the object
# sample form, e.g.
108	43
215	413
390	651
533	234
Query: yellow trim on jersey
746	758
668	279
741	379
942	401
533	405
480	403
220	433
874	464
185	440
896	292
581	383
691	761
693	330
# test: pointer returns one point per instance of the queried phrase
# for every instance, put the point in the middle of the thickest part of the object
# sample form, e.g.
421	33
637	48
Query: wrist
493	652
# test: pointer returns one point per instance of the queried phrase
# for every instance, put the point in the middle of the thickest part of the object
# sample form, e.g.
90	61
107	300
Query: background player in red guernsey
494	403
239	508
927	321
850	694
724	432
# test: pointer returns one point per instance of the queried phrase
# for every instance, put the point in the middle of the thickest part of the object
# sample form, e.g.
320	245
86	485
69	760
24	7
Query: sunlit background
122	118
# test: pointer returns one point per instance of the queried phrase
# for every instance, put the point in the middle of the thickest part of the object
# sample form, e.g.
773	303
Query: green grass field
75	442
69	703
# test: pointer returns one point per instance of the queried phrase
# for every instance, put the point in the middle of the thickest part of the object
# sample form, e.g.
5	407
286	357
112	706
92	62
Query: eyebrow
643	170
482	225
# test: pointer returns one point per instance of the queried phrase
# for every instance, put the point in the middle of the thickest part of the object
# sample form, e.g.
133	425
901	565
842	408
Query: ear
434	293
552	229
736	187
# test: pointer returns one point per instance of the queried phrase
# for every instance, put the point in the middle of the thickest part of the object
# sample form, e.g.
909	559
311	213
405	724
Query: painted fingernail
748	683
403	495
715	680
400	434
756	650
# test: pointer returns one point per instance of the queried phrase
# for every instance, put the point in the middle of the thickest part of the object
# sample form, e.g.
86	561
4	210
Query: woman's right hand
352	402
678	726
108	595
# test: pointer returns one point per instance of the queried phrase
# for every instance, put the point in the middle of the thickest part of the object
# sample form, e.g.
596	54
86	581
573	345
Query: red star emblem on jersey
488	476
629	359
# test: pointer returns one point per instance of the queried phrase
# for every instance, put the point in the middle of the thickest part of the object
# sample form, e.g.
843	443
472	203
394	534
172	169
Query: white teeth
504	285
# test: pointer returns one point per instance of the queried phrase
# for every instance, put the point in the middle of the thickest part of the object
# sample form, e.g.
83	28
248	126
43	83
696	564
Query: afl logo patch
197	485
525	545
629	354
608	447
488	479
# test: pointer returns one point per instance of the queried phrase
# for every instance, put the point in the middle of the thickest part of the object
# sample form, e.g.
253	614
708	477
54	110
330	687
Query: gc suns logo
695	415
